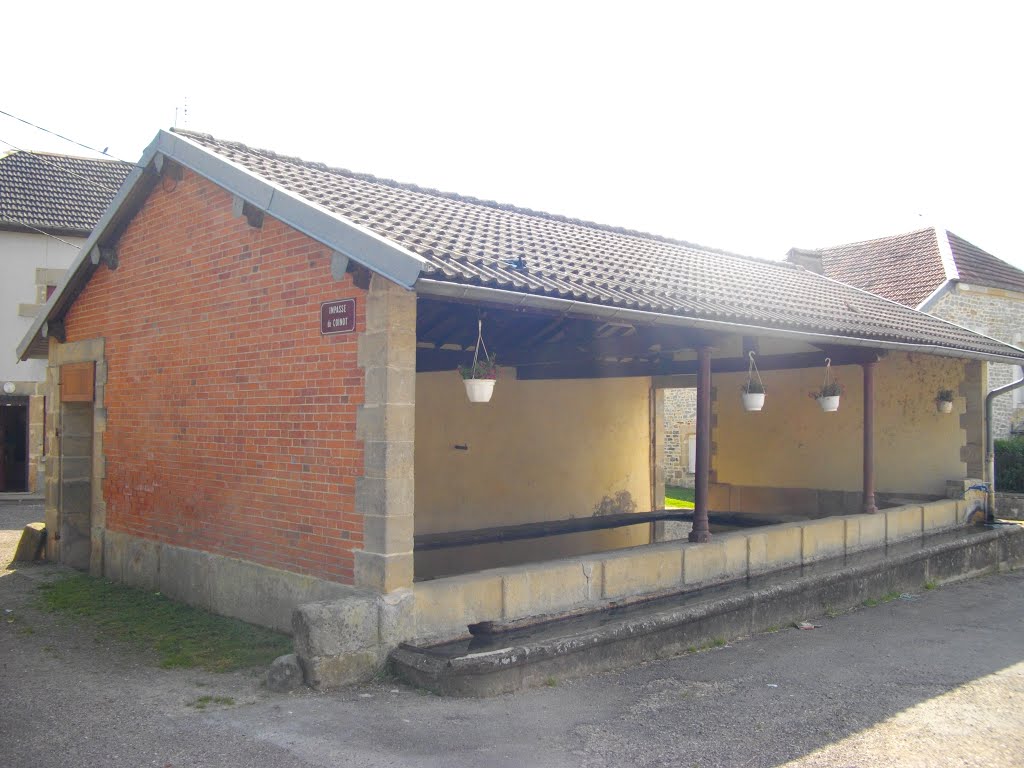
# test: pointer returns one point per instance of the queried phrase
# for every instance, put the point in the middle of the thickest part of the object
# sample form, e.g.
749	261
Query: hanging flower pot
828	394
752	391
753	401
944	401
829	402
479	390
481	376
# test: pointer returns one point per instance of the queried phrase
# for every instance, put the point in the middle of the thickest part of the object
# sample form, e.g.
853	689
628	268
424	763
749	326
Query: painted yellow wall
540	450
792	443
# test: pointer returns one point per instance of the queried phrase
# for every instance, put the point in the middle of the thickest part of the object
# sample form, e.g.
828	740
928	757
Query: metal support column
701	532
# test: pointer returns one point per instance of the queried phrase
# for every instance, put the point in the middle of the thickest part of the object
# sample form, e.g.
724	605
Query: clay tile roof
906	268
482	243
977	267
56	193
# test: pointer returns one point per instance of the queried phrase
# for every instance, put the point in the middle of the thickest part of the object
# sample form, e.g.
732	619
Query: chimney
807	259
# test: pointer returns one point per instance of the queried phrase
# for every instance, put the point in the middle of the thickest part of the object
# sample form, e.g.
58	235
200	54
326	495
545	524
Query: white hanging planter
752	401
752	392
829	403
481	376
944	406
479	390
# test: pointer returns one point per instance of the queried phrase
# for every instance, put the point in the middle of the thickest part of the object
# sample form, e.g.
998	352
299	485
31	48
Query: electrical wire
41	232
62	169
59	136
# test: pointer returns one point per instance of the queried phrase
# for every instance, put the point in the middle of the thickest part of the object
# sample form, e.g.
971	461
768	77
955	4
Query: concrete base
663	628
245	590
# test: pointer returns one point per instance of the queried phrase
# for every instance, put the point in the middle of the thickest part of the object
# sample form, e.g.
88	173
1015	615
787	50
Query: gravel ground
935	680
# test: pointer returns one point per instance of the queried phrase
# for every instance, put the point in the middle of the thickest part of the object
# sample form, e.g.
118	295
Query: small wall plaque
338	317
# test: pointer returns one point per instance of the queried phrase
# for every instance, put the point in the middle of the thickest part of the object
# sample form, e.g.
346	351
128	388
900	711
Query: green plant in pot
828	395
944	401
480	377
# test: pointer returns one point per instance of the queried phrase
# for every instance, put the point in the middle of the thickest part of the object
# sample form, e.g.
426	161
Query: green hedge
1010	465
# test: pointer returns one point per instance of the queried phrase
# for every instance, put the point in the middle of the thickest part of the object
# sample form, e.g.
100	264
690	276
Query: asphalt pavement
933	679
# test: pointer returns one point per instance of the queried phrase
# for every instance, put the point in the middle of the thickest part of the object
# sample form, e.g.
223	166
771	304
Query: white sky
746	126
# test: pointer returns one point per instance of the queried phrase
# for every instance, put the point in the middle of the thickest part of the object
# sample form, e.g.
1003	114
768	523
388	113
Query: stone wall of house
999	314
229	420
680	417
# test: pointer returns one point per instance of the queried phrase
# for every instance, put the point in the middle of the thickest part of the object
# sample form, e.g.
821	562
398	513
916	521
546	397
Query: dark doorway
14	444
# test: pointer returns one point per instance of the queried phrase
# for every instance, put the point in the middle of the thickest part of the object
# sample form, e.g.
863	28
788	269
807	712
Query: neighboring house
936	271
251	372
48	205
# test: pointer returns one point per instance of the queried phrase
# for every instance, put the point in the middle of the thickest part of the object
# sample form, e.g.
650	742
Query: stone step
487	665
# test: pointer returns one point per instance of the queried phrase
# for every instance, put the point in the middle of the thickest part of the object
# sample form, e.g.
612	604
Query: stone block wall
680	417
999	314
230	420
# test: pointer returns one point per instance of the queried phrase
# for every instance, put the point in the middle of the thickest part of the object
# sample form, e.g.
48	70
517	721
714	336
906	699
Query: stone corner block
338	642
383	573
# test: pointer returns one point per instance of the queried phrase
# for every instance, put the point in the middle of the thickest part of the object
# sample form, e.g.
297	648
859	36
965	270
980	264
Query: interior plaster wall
540	450
792	443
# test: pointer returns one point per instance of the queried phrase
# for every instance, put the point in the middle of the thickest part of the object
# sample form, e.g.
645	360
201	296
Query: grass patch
551	682
204	701
930	585
888	597
182	636
678	498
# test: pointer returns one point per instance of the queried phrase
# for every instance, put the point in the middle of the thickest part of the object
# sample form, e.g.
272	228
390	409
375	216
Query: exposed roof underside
477	251
56	193
908	267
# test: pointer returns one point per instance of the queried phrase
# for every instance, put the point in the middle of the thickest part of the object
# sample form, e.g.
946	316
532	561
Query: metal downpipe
990	446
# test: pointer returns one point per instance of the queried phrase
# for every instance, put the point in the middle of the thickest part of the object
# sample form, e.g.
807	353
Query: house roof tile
908	267
470	241
56	193
977	267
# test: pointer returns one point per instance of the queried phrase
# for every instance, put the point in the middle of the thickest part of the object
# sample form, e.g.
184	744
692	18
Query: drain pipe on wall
990	445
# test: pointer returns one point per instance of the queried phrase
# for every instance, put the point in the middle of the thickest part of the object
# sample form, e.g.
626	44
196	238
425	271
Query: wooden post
701	532
869	431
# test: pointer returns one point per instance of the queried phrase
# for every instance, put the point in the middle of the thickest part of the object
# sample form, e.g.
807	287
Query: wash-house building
255	406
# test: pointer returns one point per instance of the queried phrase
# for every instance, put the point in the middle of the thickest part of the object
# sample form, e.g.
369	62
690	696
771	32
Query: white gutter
573	308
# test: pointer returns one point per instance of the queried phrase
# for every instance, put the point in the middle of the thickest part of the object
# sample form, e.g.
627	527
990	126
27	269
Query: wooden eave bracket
102	255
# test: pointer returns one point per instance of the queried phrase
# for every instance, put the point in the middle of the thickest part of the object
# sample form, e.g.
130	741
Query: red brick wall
230	419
